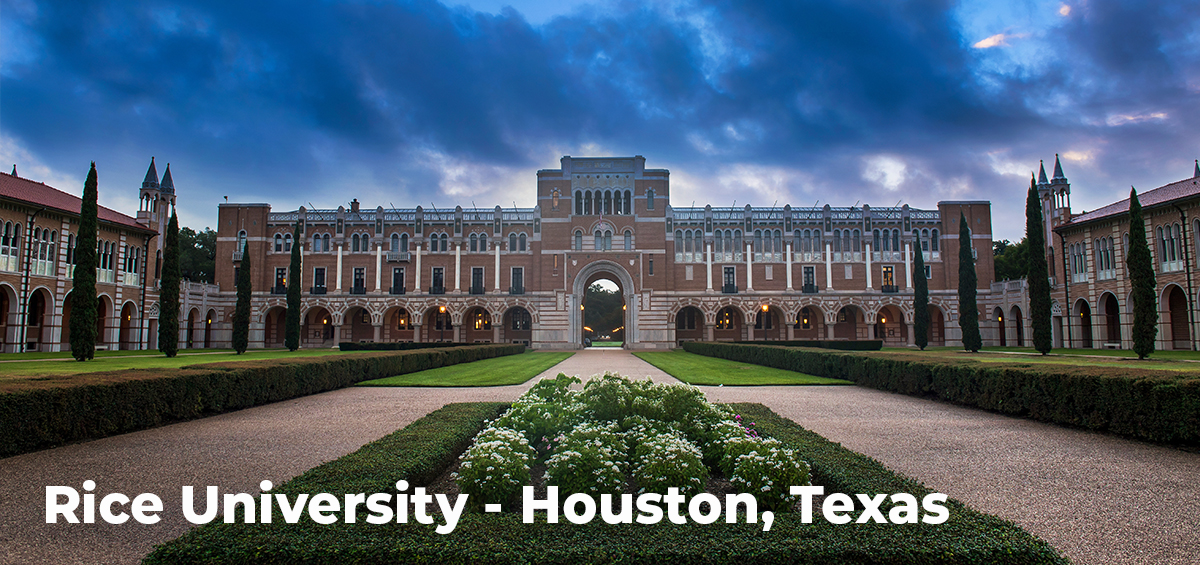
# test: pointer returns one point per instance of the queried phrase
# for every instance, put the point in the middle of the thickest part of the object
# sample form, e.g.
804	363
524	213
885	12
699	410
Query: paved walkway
1099	499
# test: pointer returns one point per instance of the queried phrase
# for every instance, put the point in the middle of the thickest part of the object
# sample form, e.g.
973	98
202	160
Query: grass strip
701	370
499	371
969	537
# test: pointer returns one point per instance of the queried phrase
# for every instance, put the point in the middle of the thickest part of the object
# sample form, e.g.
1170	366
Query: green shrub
842	344
736	447
495	467
139	399
666	461
767	472
590	459
394	345
1158	406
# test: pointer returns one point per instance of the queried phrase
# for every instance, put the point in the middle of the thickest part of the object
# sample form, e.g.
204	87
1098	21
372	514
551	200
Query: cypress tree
920	297
83	284
292	325
168	295
968	309
1141	277
1038	278
241	312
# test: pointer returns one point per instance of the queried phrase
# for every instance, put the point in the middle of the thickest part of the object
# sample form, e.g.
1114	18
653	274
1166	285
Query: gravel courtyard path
1099	499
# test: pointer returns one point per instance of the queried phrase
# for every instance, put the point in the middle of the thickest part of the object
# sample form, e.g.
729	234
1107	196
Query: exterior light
764	307
623	306
442	309
883	319
999	318
581	307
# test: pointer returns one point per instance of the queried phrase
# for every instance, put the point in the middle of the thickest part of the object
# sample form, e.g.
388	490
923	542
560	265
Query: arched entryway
1177	318
8	319
478	326
728	326
38	315
125	333
689	325
603	312
809	323
849	320
1083	312
273	332
1017	321
104	314
398	325
209	318
193	323
359	320
998	314
890	326
1112	320
768	324
439	325
316	328
64	333
936	335
518	326
617	325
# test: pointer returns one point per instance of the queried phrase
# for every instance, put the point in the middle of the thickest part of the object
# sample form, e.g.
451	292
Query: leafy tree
197	254
1141	277
1011	260
1038	276
920	298
241	312
291	336
83	285
968	309
168	295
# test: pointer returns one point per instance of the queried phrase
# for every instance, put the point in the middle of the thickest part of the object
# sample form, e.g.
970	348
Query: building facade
38	227
519	274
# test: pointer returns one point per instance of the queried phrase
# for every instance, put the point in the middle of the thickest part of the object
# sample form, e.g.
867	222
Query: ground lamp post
442	323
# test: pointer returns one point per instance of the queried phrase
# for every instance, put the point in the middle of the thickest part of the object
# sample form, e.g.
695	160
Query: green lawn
507	370
701	370
19	370
607	343
67	354
1160	360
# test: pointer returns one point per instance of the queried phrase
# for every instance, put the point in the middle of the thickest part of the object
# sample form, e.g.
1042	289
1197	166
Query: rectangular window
889	276
439	280
476	279
518	277
280	276
729	279
319	277
651	266
397	279
360	277
928	271
810	276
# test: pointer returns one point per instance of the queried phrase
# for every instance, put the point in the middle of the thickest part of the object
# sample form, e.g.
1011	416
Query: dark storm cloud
283	101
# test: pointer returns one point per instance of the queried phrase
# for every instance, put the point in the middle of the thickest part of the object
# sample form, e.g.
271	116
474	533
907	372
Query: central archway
617	275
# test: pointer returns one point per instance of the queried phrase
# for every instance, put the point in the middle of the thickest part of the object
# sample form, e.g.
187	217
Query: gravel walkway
1099	499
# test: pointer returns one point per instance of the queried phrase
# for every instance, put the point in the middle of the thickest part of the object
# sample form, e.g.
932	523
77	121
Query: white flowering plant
768	473
668	460
589	459
495	467
739	446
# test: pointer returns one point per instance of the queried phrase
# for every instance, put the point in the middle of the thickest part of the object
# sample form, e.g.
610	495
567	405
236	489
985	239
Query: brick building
519	275
1091	275
38	226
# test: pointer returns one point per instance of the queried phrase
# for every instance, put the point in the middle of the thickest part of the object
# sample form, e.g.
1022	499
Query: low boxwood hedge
392	345
969	537
1158	406
842	344
132	400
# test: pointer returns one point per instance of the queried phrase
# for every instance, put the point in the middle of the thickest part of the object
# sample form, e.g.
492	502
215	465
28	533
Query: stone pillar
708	332
497	271
912	334
708	264
749	332
457	264
791	331
338	285
458	334
871	330
495	332
378	332
787	258
378	269
337	334
908	284
828	331
750	266
867	260
416	333
417	282
828	266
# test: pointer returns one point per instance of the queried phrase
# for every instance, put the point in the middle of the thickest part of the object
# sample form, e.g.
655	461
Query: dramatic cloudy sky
412	102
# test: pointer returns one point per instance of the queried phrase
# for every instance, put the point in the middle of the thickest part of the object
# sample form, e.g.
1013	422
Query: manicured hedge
393	346
842	344
140	399
969	537
1158	406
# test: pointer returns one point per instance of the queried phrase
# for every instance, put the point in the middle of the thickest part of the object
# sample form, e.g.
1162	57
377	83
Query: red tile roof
1187	188
39	194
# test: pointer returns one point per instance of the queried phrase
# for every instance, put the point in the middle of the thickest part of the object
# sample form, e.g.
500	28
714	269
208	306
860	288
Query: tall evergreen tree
168	295
292	324
920	296
83	285
1039	283
1141	277
241	312
968	308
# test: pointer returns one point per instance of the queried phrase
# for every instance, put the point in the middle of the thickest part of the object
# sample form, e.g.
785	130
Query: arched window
608	240
316	244
608	202
933	240
521	238
837	241
628	200
875	242
617	202
846	242
628	240
818	247
445	243
598	241
512	242
856	243
924	240
354	243
1176	239
325	242
896	240
758	242
599	205
687	241
395	244
578	203
650	199
483	246
778	242
403	242
587	203
737	241
287	243
70	249
278	243
578	240
474	243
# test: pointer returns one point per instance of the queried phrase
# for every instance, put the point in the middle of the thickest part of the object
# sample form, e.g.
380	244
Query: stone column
708	332
828	331
417	282
912	334
338	285
708	264
908	284
495	332
497	270
458	334
791	331
457	264
416	331
787	258
378	332
867	260
378	269
749	266
828	266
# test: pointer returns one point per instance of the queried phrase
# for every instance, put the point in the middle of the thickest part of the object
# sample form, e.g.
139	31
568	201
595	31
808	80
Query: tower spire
1195	175
1058	173
1042	172
168	185
151	181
